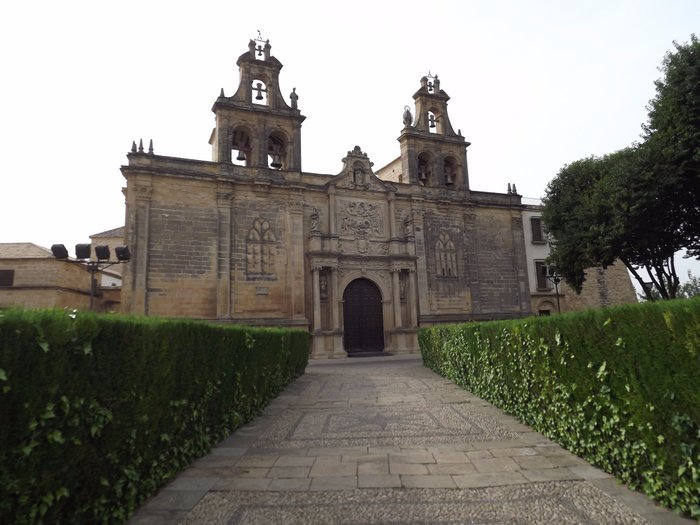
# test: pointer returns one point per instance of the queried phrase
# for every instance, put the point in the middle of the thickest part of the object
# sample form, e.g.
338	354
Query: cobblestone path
385	440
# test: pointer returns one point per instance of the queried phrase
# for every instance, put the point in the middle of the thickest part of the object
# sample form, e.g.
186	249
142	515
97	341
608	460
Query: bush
618	386
97	412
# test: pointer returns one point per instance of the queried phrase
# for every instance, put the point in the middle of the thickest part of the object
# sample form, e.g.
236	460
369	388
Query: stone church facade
361	258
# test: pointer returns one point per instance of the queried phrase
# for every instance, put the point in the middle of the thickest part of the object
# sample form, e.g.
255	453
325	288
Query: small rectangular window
537	233
7	277
541	276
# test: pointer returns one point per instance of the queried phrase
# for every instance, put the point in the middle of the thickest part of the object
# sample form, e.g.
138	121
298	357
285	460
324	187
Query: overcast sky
533	85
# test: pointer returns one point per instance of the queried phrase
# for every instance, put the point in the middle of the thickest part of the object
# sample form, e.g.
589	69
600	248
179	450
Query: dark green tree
672	139
639	205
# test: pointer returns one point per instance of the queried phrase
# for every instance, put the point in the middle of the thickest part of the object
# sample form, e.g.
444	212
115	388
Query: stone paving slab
385	440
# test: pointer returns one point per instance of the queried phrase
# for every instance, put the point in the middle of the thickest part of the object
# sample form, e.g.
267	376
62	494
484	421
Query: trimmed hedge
620	387
97	412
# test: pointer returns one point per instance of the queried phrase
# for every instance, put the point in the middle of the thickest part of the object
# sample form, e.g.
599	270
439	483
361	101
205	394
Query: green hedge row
619	387
97	412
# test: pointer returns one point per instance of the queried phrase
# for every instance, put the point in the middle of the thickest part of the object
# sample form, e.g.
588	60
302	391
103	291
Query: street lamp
550	273
82	256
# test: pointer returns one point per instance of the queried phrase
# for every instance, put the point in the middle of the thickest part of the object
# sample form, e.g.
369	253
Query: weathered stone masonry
251	238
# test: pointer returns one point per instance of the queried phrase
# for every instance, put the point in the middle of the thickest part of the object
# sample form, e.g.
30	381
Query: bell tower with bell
256	127
432	154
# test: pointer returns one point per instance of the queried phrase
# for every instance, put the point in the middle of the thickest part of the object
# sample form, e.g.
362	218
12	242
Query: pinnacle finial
509	188
133	146
222	93
515	190
140	145
150	147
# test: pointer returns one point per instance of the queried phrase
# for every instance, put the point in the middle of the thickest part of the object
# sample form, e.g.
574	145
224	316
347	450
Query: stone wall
45	283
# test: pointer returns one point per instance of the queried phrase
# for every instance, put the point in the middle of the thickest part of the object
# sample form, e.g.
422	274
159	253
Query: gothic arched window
260	250
446	256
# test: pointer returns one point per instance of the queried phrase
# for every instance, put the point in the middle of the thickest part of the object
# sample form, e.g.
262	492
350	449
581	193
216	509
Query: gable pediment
357	174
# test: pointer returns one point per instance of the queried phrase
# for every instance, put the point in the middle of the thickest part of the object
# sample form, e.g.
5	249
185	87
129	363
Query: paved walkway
385	440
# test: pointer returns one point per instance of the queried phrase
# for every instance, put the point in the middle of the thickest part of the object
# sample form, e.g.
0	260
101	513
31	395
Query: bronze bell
259	88
241	155
276	162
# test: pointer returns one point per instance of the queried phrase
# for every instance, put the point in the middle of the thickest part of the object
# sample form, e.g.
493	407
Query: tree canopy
639	205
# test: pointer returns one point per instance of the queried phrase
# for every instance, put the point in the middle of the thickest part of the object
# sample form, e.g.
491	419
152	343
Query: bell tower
256	127
432	154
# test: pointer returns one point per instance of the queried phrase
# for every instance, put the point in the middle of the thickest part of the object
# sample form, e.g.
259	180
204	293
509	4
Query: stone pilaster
412	306
224	291
421	262
295	265
139	264
315	275
396	292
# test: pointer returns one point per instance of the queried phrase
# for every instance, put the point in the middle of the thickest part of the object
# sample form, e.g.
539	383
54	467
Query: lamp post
550	273
82	256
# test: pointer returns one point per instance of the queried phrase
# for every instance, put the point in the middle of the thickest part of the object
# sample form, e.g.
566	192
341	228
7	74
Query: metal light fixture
59	251
82	251
123	254
102	253
82	257
550	273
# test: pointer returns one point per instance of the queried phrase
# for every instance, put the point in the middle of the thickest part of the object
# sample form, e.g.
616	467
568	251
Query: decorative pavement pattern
400	425
550	502
385	440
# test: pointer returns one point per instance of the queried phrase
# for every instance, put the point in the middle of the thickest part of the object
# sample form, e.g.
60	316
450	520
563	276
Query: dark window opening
537	233
7	277
541	274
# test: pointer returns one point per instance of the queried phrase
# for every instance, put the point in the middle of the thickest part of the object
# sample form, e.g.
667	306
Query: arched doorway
362	317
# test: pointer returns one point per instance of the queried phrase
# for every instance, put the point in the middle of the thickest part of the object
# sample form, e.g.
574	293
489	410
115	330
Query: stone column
412	306
315	273
224	196
332	219
335	300
392	215
397	297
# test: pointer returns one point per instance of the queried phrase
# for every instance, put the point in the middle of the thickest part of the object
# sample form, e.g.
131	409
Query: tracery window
260	250
446	256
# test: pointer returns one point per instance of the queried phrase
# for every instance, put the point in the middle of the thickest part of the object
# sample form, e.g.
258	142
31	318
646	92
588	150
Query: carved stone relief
364	247
143	193
261	247
445	256
314	219
360	219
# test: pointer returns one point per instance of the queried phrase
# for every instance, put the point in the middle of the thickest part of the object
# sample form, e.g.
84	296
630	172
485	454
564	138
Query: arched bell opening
363	318
450	168
432	122
277	150
259	92
241	147
425	169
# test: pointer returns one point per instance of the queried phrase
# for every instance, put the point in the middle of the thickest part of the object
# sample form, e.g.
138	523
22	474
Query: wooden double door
363	319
